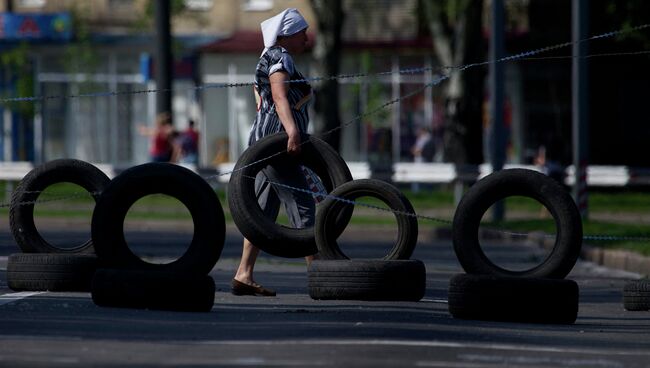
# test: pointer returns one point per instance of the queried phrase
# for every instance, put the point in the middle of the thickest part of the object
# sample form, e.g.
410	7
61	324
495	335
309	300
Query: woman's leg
247	264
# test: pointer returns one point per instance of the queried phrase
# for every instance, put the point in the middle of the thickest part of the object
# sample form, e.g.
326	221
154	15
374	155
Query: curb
618	259
623	260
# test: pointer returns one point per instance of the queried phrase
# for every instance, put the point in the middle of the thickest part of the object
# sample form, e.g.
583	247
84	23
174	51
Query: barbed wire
336	77
53	199
321	194
435	81
438	79
590	56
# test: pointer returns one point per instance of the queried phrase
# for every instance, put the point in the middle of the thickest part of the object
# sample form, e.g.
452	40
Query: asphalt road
68	330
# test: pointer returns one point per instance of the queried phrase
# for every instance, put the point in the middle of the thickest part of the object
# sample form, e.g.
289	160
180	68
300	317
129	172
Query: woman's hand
293	143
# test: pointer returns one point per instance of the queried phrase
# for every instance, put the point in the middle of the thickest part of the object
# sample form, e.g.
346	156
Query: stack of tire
636	295
42	265
540	294
333	276
394	277
124	279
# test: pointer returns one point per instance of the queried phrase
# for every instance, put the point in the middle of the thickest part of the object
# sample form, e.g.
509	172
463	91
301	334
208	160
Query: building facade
95	79
98	84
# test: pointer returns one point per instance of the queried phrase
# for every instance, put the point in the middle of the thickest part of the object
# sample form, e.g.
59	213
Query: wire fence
442	74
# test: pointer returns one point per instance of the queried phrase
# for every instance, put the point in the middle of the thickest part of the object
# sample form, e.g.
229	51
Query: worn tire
267	235
21	211
148	289
513	299
395	280
636	295
407	226
517	182
159	178
49	271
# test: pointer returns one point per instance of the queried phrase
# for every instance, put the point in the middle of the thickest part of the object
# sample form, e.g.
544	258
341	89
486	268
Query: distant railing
403	172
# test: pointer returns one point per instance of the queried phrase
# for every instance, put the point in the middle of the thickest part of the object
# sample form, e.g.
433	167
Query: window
257	5
31	3
199	5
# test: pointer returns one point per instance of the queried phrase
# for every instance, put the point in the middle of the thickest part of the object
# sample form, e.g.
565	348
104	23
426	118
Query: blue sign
36	26
145	66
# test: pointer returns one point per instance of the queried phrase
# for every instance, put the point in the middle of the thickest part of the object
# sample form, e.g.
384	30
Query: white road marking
427	344
540	361
443	301
12	297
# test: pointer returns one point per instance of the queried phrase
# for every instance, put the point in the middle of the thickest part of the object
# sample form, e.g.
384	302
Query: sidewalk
611	258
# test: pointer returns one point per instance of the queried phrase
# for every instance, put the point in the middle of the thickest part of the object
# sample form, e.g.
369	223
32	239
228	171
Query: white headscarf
284	24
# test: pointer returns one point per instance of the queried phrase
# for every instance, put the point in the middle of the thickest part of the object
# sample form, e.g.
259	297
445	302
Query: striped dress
266	120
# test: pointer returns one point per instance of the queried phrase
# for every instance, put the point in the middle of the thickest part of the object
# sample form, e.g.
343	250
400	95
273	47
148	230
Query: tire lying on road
146	289
395	280
159	178
21	211
49	271
513	299
636	295
517	182
328	211
265	233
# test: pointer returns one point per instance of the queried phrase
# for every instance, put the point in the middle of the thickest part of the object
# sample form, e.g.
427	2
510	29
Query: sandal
239	288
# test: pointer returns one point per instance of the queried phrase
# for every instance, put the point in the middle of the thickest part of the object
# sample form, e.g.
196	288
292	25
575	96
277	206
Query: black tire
187	292
329	210
267	235
21	212
49	271
396	280
513	299
159	178
636	295
517	182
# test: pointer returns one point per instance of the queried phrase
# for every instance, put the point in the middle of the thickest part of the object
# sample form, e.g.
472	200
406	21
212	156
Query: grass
526	212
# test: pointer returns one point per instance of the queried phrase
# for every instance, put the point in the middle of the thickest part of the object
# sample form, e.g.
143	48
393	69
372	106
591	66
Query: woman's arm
280	91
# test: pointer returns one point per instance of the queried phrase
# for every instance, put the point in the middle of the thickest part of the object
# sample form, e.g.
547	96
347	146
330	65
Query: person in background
161	148
422	150
282	106
187	144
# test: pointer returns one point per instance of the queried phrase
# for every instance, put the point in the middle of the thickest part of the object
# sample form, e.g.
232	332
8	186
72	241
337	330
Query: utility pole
579	99
7	115
497	128
163	56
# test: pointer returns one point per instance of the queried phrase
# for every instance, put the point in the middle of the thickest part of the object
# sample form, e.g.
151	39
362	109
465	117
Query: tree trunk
329	18
459	43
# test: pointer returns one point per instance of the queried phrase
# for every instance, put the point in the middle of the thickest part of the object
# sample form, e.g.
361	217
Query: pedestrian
282	106
188	145
423	149
161	148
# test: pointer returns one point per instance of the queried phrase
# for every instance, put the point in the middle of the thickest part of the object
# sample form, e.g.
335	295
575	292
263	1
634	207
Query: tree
329	18
18	73
456	30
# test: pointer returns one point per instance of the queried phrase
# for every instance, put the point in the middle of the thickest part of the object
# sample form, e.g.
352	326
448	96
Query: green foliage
446	11
607	15
455	8
17	67
80	56
176	7
376	95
